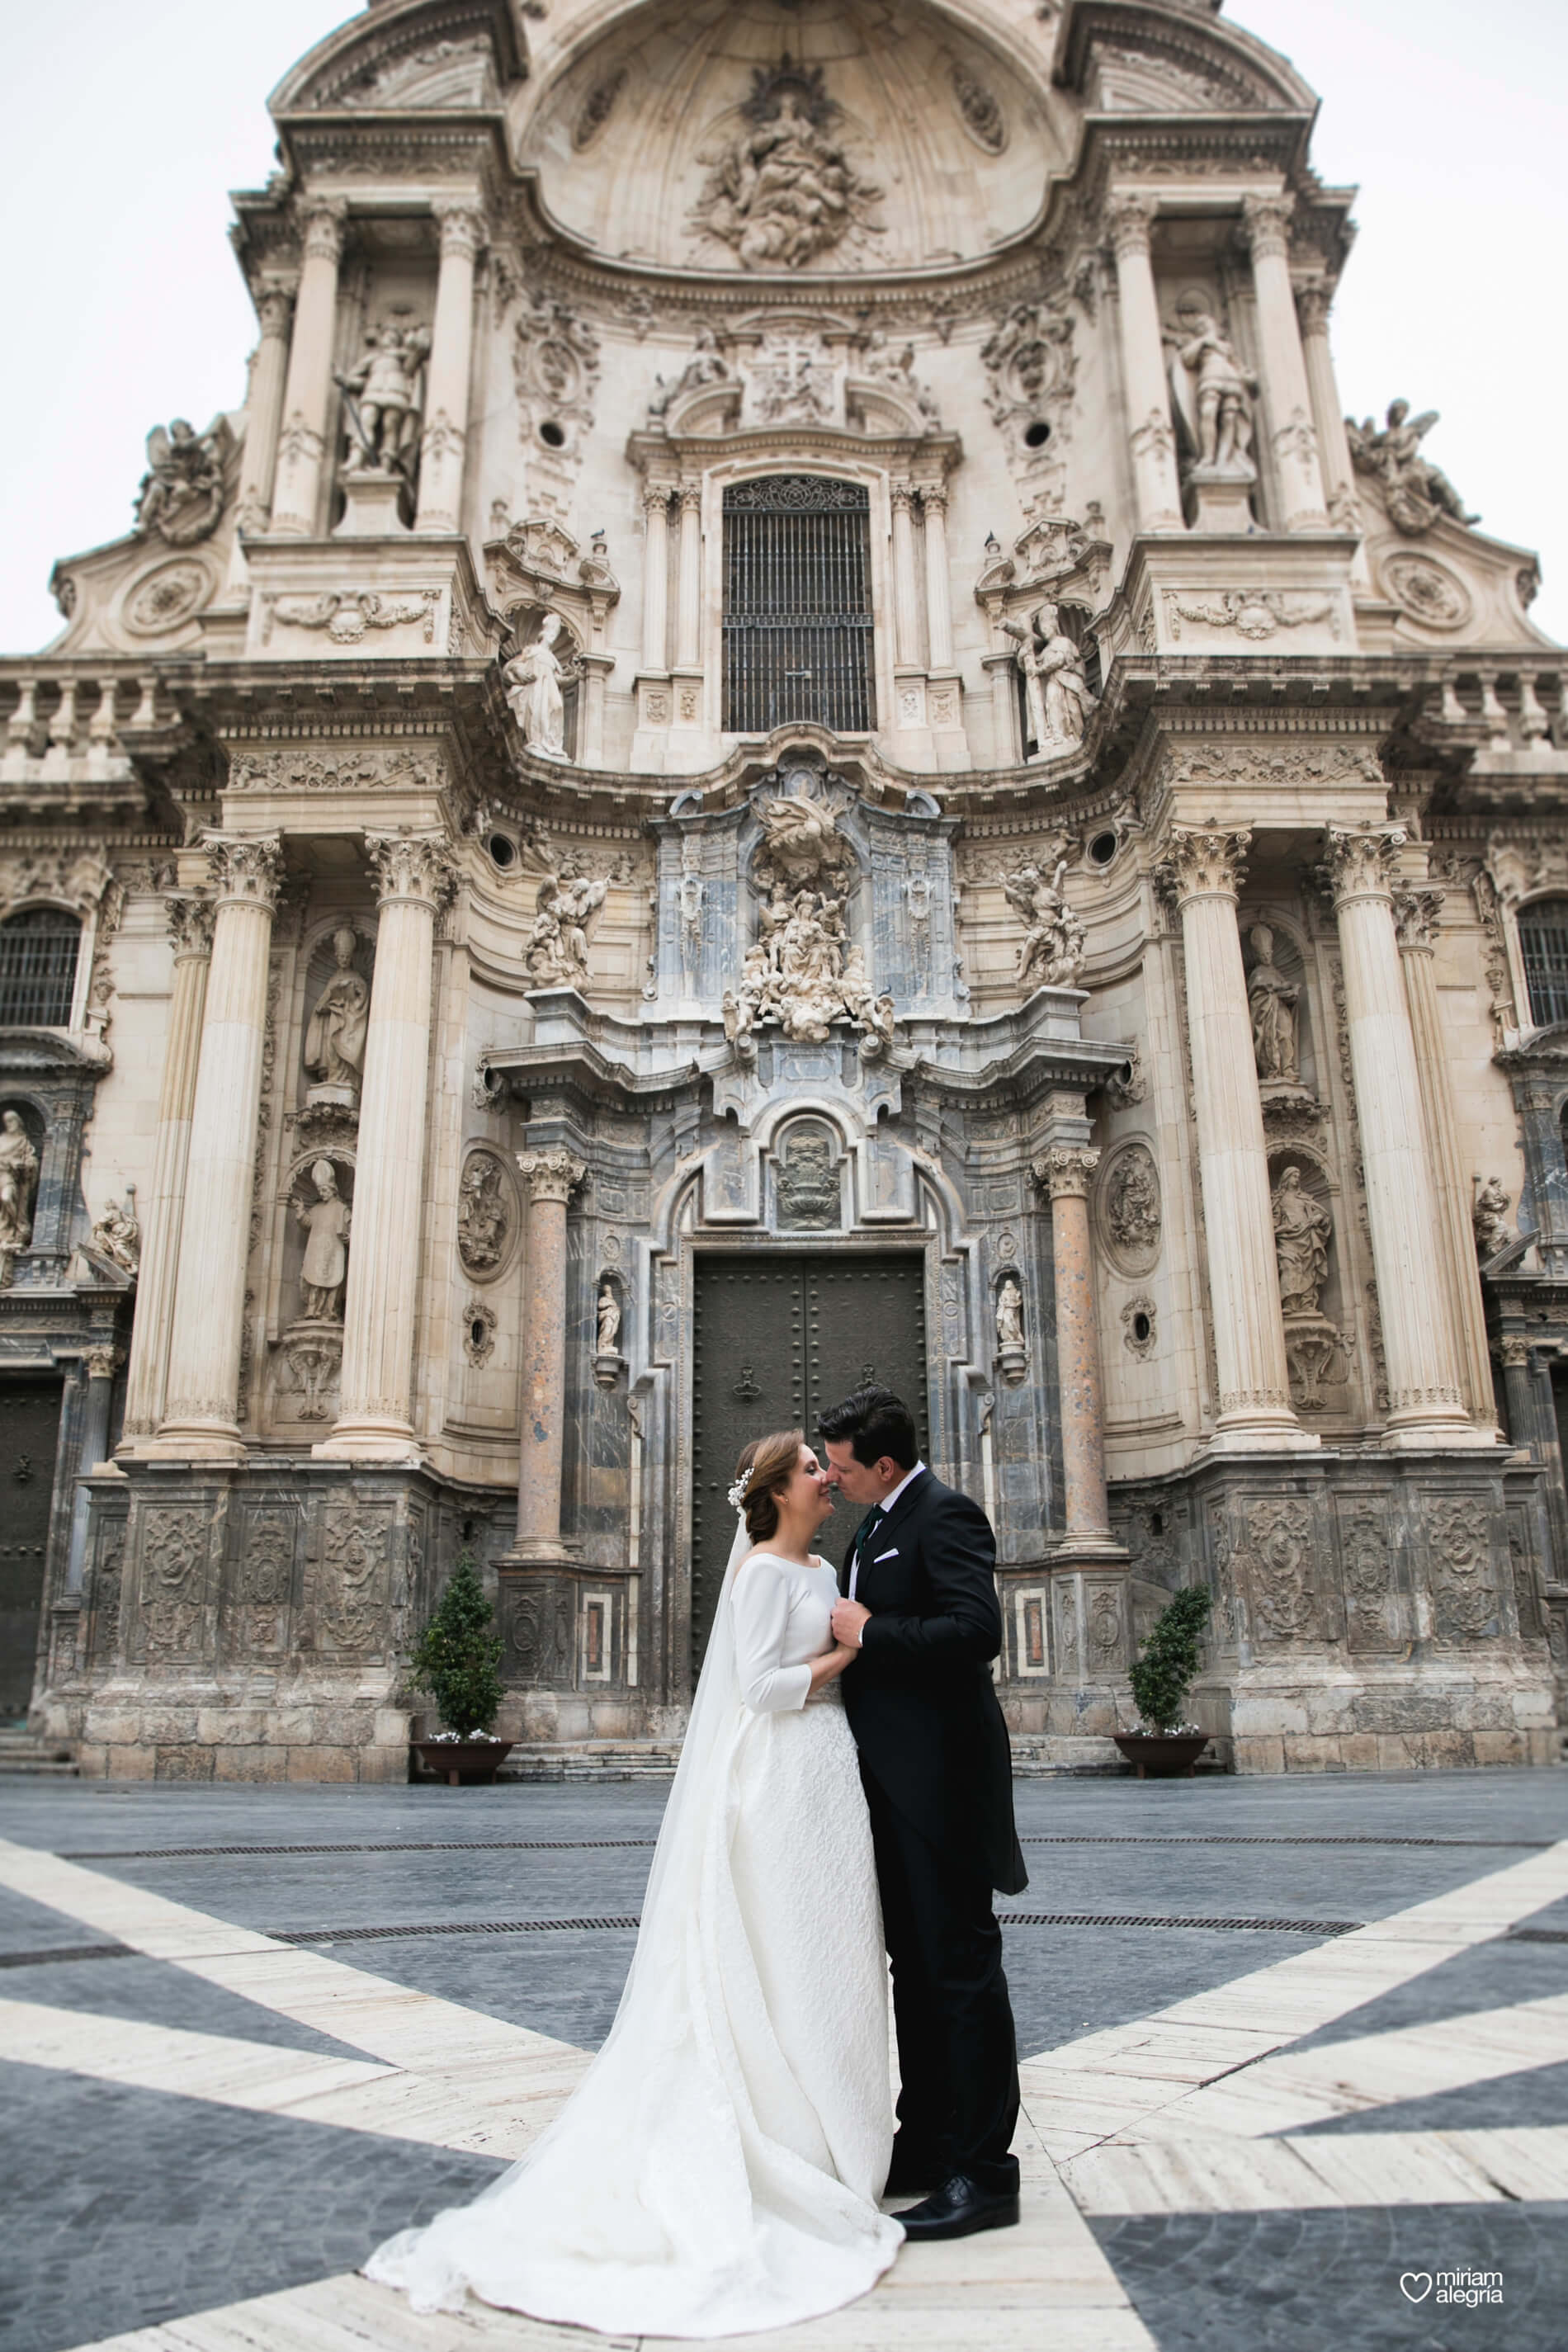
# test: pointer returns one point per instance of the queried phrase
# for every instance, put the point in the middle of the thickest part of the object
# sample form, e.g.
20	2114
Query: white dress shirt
887	1501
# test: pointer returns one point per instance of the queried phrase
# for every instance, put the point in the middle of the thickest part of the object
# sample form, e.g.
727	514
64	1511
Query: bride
718	2168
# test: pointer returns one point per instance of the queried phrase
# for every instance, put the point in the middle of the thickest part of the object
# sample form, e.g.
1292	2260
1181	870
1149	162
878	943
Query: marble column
263	409
1267	221
191	932
201	1408
906	627
1415	913
655	577
445	438
307	395
938	579
414	874
1153	438
1312	304
1254	1410
1066	1171
1424	1405
688	598
100	1364
552	1177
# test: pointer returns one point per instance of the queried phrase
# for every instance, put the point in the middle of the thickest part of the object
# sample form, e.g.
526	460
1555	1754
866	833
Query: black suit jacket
920	1697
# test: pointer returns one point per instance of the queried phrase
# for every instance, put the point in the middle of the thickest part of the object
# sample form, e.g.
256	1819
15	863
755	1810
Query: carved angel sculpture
1414	491
1051	952
182	493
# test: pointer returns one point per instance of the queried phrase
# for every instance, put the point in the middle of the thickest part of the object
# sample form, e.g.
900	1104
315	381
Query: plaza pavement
1285	2044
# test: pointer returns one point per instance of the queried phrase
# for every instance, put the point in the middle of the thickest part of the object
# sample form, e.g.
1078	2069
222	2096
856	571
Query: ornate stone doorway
776	1339
29	1427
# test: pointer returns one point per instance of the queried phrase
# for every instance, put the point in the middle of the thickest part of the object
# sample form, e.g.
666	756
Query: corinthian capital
190	925
274	305
321	223
1129	219
1066	1170
1267	221
1415	914
247	867
1363	863
551	1175
461	225
1313	304
416	866
1204	862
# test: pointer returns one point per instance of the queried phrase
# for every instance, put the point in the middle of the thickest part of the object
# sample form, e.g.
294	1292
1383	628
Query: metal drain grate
1120	1837
451	1927
1175	1919
1537	1935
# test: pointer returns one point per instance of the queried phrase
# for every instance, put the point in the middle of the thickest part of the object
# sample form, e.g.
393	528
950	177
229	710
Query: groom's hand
848	1617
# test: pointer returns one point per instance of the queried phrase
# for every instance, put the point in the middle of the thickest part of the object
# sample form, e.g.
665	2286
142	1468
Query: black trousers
958	2054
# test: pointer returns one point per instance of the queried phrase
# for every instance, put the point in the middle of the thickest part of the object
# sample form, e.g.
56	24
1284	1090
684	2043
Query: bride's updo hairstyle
773	1463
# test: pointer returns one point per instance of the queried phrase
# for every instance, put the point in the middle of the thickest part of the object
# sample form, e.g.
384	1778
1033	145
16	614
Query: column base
194	1441
1072	1551
1273	1433
1431	1435
370	1441
542	1551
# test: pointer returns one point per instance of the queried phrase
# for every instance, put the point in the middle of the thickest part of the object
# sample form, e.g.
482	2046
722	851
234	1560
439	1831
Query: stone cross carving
19	1179
1051	952
1302	1227
335	1034
326	1265
1414	491
1056	684
1273	1000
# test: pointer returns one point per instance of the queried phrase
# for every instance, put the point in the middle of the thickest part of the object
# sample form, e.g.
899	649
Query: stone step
593	1759
21	1752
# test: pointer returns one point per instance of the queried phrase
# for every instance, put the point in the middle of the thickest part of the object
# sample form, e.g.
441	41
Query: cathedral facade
787	740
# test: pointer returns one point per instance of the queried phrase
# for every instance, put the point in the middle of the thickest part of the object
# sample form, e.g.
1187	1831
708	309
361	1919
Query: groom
918	1601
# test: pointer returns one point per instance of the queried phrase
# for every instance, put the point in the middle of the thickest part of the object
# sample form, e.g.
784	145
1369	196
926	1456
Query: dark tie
866	1530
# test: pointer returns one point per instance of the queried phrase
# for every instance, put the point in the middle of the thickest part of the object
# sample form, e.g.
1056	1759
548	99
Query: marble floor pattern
261	2104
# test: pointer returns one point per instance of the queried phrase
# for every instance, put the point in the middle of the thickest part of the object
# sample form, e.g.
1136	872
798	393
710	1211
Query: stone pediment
1152	59
454	56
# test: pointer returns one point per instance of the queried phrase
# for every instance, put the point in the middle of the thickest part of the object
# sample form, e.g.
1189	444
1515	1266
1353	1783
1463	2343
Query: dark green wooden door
778	1339
29	1426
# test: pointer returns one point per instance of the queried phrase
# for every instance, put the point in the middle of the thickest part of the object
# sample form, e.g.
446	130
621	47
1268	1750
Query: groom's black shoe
958	2209
913	2175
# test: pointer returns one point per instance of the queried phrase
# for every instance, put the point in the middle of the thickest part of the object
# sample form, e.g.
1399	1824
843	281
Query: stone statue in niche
1414	491
1051	952
326	1266
1273	1000
556	954
1490	1217
1012	1353
335	1034
182	494
1214	395
1056	684
381	395
484	1217
532	684
782	191
118	1236
707	365
18	1181
609	1318
1302	1229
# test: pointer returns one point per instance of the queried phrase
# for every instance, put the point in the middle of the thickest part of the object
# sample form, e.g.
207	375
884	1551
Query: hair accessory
738	1491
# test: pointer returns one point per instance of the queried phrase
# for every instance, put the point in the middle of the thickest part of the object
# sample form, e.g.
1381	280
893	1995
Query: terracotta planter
1162	1755
463	1763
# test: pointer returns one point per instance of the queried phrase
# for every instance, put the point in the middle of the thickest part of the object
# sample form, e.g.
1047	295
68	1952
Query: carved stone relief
1372	1603
782	188
1129	1211
181	499
806	1182
352	1581
1280	1565
172	1593
487	1217
1458	1533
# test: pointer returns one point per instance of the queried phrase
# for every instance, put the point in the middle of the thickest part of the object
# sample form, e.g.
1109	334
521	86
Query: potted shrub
1160	1744
456	1660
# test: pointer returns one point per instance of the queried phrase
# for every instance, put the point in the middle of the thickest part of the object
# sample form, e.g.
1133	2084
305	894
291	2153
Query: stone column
191	931
552	1177
1255	1410
1066	1170
200	1410
1416	921
655	577
1289	402
100	1365
689	601
446	434
938	579
1424	1408
1152	434
414	873
303	443
906	632
1312	303
263	409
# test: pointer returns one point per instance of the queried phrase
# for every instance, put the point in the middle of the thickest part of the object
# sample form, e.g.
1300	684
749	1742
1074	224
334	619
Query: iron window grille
798	624
1543	942
37	968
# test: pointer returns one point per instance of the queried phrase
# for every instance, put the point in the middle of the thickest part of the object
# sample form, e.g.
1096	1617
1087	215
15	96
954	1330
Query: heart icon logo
1416	2285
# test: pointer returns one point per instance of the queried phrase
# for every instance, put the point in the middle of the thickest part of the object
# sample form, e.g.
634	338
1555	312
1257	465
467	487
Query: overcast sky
122	129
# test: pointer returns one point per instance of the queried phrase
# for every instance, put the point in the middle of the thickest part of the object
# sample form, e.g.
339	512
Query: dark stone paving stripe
1539	1935
67	1952
585	1845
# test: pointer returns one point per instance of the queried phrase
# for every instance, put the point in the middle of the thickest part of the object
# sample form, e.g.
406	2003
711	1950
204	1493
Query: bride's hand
831	1665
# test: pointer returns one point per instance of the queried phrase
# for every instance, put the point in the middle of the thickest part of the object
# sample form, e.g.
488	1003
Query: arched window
37	968
1543	942
797	604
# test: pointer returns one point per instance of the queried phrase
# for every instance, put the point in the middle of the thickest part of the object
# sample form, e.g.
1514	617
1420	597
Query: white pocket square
881	1556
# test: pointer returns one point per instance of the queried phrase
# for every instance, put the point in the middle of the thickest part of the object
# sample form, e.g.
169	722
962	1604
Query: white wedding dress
718	2168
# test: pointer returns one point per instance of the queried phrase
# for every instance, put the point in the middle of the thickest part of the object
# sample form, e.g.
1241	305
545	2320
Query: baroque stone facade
790	700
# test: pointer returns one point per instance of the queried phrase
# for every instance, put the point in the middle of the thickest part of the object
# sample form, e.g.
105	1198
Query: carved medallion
1128	1215
808	1182
487	1217
1428	591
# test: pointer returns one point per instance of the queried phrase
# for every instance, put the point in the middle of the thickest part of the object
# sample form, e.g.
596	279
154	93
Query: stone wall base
316	1733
